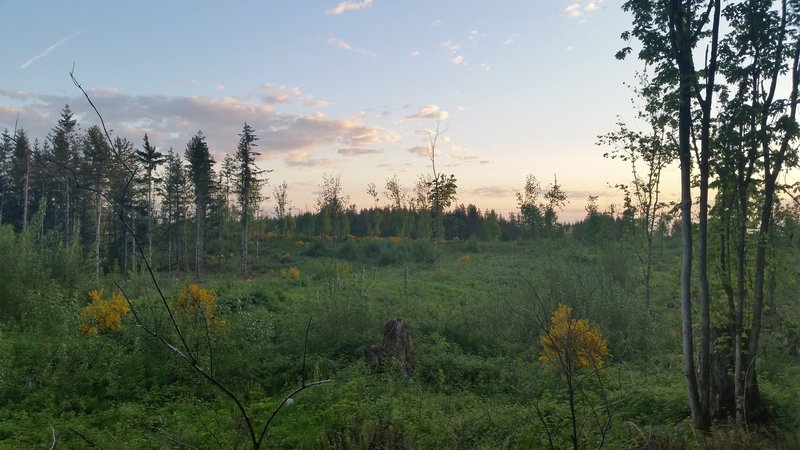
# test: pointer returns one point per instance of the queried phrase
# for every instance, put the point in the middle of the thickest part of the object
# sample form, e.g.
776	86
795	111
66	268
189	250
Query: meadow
476	313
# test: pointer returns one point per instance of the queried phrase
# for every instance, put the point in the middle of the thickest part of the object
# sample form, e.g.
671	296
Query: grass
474	323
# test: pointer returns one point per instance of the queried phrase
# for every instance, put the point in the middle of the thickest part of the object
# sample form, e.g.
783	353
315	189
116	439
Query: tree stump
396	342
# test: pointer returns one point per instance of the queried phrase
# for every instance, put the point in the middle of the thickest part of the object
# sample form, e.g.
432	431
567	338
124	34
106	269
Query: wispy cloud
358	151
47	51
348	6
436	23
452	50
493	191
511	39
429	112
460	154
420	151
17	95
581	7
344	45
474	36
449	46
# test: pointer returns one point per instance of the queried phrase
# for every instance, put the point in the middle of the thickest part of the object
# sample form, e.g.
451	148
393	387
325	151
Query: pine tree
64	157
175	194
150	158
248	184
201	173
96	155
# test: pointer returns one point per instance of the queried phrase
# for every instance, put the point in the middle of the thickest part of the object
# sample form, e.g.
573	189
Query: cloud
344	45
474	35
357	151
420	151
437	22
17	95
511	40
279	93
451	49
493	191
173	120
47	51
189	82
581	7
219	87
429	112
486	67
348	6
414	53
459	154
449	46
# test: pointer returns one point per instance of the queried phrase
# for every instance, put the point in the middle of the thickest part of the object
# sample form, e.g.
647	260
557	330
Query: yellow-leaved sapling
568	345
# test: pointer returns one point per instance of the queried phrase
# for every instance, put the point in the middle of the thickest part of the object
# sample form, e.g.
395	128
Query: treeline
188	210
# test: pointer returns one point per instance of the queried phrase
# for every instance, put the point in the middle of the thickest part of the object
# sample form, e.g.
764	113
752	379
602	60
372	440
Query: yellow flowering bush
101	315
465	258
194	301
572	343
290	273
344	269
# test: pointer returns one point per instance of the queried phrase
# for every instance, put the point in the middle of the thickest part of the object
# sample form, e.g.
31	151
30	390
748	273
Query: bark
682	53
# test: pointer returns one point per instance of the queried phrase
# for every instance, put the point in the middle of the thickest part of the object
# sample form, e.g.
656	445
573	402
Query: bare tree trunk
198	243
97	229
683	53
245	231
26	189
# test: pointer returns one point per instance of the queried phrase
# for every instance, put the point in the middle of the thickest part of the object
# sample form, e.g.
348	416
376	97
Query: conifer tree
64	157
150	158
201	173
248	184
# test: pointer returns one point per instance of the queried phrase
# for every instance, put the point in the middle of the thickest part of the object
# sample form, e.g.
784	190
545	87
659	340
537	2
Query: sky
349	89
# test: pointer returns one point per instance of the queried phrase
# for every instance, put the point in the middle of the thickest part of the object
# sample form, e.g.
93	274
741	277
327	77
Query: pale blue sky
347	88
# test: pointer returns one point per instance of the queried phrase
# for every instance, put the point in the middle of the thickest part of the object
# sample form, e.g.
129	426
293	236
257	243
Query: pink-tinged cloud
420	151
170	121
429	112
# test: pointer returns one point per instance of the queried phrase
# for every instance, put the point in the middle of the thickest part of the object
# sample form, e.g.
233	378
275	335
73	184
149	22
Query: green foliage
476	377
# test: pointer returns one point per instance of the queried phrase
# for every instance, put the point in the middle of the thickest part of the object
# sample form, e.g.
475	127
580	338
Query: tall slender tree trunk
97	229
245	231
26	189
682	49
200	215
67	200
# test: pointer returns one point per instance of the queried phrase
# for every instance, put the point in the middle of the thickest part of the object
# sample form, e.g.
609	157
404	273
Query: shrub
290	273
102	316
572	343
197	302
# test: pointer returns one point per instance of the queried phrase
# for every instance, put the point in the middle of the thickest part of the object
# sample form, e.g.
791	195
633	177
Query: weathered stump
396	342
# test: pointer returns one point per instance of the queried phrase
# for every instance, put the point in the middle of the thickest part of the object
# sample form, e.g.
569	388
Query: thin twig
53	432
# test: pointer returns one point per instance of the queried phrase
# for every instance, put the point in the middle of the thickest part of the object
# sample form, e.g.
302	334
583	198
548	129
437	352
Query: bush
103	316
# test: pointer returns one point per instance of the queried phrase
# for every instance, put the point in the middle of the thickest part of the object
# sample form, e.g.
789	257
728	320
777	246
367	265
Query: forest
159	298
